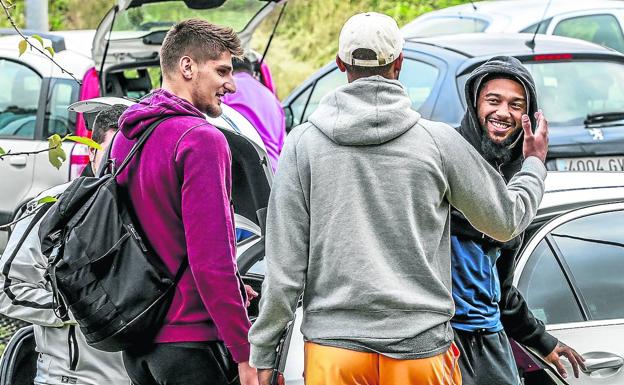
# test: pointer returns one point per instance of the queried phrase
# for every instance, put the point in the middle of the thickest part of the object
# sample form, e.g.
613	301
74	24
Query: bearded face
500	106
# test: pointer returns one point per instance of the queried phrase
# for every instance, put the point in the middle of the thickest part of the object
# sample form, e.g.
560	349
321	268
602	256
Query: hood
368	111
470	128
153	106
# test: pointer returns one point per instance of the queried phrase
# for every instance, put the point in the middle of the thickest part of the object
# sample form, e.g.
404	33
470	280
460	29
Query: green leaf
51	50
47	199
2	152
81	139
23	44
56	155
38	38
9	2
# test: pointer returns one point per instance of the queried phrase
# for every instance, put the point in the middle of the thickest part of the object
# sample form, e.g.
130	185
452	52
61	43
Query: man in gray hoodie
377	304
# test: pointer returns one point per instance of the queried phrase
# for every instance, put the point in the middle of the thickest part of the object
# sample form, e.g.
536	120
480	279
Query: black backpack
101	266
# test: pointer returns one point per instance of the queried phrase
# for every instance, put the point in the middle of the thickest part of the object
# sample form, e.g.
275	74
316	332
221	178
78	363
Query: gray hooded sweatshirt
359	217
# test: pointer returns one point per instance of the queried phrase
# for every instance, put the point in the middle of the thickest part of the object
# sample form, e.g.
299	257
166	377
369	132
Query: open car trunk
127	42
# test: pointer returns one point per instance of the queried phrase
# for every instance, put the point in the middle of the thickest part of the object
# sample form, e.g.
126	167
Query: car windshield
444	26
569	91
162	15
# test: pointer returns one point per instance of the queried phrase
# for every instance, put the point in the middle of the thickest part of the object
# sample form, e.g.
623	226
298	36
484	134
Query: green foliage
56	154
81	139
21	46
47	199
307	37
39	39
2	152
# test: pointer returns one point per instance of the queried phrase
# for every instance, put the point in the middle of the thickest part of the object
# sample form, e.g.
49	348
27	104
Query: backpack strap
137	146
7	266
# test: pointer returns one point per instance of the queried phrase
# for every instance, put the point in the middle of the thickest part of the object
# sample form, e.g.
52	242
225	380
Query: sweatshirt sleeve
204	164
287	244
26	294
476	189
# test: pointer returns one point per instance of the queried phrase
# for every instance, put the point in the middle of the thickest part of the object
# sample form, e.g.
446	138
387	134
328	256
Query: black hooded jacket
518	321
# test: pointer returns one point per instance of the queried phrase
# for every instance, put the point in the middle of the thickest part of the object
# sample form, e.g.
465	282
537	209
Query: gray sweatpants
486	358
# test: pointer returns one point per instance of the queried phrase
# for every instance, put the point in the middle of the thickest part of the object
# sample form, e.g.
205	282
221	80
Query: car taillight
553	57
78	160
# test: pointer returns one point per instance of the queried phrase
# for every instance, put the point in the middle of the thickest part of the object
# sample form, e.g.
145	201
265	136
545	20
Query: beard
497	152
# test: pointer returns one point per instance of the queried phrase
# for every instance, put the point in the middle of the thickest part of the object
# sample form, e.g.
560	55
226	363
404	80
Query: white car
570	272
598	21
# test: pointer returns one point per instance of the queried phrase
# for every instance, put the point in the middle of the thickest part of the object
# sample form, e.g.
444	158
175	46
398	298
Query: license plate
607	163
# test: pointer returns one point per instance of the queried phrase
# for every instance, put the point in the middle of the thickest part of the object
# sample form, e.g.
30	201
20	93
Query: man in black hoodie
488	306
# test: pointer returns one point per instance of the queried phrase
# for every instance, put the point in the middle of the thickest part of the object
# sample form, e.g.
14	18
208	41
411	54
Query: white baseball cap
374	31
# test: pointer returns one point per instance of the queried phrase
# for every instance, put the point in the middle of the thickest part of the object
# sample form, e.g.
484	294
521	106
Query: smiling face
500	107
211	81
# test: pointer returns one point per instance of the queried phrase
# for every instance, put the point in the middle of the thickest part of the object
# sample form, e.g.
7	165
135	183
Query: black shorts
486	358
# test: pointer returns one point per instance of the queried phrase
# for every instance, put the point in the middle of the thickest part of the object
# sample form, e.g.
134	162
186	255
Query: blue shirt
476	288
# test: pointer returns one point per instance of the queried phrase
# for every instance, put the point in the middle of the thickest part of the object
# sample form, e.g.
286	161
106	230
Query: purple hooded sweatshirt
180	187
260	106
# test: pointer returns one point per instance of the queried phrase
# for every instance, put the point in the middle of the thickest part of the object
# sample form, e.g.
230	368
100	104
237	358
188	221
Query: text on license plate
591	164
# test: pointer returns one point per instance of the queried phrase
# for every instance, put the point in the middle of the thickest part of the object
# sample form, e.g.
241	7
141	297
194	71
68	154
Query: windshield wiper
603	118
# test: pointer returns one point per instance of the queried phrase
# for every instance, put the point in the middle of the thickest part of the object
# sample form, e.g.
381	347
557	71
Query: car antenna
531	43
266	49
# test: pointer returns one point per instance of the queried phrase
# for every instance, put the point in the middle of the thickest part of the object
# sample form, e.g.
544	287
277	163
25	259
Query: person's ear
397	65
341	64
186	66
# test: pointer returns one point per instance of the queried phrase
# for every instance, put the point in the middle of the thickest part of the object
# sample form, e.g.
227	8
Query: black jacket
518	321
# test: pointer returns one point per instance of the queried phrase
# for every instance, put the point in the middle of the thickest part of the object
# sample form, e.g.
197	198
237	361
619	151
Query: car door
571	277
21	92
603	27
421	78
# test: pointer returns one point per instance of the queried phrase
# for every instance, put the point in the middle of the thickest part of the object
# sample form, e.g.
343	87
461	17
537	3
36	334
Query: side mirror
288	115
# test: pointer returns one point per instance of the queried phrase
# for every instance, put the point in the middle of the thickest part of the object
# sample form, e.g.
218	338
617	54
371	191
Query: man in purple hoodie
180	188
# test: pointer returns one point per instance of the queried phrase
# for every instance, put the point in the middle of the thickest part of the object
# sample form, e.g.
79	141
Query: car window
59	120
296	108
541	27
568	91
327	83
593	247
444	26
19	99
418	78
546	289
601	29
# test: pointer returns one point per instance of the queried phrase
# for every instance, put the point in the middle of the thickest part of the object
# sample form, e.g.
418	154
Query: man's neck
181	92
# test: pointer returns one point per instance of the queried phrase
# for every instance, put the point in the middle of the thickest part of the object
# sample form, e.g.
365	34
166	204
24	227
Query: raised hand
535	144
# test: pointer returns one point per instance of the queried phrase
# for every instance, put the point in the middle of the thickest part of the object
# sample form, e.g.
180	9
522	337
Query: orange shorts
325	365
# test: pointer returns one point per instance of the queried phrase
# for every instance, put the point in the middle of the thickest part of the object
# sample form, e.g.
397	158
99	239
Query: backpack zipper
136	236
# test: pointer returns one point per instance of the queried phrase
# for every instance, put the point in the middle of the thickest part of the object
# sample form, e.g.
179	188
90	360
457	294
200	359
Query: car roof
567	190
485	44
523	13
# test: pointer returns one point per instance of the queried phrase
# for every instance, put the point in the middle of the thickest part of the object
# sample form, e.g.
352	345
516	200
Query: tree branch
32	46
9	153
17	220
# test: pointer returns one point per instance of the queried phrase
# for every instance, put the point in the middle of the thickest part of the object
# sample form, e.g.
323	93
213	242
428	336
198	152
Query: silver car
598	21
